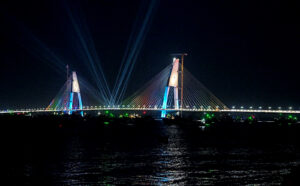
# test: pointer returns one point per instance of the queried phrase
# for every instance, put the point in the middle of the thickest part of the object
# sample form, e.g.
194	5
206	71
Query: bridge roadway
91	108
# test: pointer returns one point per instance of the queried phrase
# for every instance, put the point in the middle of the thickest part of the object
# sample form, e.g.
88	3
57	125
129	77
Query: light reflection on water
96	162
172	159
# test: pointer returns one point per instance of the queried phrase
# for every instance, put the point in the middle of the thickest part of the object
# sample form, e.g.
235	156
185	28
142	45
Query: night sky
245	52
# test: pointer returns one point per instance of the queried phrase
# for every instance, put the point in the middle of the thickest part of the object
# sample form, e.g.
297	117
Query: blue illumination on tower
71	103
80	103
164	106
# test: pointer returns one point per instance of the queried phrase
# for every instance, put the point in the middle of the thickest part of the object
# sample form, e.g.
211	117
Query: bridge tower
68	98
74	90
173	82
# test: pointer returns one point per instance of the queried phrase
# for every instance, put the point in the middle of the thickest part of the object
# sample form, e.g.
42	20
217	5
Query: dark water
156	155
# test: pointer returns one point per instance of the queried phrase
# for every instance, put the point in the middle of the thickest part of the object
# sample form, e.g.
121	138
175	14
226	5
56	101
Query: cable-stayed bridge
172	90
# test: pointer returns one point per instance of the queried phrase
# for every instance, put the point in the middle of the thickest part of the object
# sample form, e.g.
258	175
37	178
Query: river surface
161	155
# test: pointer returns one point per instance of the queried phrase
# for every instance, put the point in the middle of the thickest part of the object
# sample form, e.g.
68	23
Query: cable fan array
151	94
90	96
195	94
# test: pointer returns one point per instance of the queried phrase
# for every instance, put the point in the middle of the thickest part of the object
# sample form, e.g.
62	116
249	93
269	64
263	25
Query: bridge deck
156	109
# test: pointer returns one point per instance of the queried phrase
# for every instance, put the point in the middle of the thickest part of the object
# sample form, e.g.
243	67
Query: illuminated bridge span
171	90
100	108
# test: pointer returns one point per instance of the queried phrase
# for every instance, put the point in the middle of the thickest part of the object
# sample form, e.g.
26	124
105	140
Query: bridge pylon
74	90
69	98
172	82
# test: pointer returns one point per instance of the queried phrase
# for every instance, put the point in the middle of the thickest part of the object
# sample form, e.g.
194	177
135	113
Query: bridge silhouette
164	92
